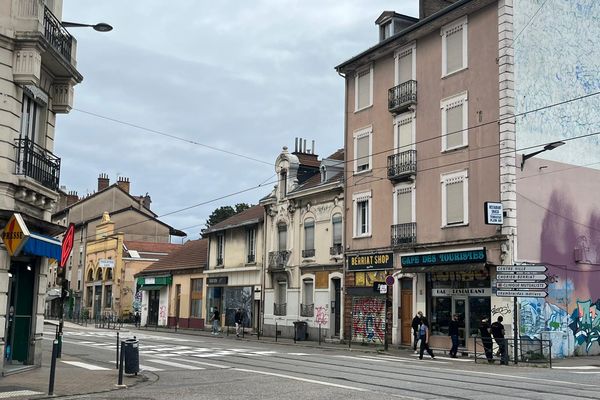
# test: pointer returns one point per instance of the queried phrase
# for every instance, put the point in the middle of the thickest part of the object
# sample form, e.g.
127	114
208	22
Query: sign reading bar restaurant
452	257
217	280
461	291
371	262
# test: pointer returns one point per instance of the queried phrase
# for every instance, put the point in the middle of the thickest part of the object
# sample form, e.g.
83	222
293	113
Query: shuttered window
363	92
309	234
454	46
404	206
455	199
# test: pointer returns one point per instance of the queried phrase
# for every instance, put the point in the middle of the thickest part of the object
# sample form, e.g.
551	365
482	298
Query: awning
152	287
446	268
159	280
41	245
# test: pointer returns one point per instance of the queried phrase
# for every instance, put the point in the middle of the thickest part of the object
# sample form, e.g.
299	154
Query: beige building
38	71
234	277
303	241
424	155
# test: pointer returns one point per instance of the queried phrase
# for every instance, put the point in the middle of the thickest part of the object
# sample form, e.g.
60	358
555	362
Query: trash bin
131	354
301	329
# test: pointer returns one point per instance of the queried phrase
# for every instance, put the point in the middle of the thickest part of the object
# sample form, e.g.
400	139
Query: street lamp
100	27
548	147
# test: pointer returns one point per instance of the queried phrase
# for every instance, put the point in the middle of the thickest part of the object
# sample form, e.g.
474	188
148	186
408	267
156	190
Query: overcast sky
245	77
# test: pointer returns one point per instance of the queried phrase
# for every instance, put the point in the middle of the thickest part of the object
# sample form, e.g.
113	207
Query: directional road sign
520	293
521	285
521	268
521	277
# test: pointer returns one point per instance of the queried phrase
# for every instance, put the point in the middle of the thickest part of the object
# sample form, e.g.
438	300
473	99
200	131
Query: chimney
429	7
123	183
72	198
103	182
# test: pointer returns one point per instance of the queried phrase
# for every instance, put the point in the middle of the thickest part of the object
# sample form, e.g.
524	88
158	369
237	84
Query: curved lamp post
100	27
549	146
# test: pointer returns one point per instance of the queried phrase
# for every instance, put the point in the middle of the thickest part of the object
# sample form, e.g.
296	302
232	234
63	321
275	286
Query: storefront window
441	312
213	299
196	298
108	296
479	307
238	297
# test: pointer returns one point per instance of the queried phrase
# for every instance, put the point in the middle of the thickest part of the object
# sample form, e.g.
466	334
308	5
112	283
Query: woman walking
424	336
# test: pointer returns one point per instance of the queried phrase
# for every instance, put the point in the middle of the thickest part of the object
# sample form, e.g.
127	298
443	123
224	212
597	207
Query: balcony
404	234
37	163
401	97
336	250
308	253
280	309
402	166
307	310
57	35
278	259
251	259
219	261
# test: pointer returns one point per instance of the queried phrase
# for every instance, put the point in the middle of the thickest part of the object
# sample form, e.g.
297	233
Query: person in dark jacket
424	337
486	339
416	322
239	319
497	330
453	333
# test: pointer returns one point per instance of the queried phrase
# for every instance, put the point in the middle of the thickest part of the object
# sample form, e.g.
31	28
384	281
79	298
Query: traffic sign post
520	293
521	268
521	277
521	285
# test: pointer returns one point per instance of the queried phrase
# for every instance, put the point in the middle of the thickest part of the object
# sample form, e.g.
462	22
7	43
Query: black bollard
319	334
121	359
295	331
53	367
275	330
117	367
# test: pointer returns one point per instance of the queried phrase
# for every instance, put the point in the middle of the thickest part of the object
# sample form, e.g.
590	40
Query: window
220	249
31	118
336	222
281	237
196	298
108	296
404	129
309	238
89	296
307	308
362	214
405	64
455	202
454	46
362	150
385	30
363	89
283	183
404	210
251	244
454	122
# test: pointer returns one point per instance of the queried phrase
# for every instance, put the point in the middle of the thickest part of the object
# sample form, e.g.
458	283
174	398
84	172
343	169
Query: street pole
515	330
117	350
52	368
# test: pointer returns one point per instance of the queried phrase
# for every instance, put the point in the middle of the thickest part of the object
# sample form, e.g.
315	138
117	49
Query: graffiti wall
368	319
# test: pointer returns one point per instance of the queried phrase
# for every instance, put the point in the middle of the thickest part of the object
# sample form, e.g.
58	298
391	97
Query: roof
338	155
315	181
149	247
252	215
403	32
309	160
191	255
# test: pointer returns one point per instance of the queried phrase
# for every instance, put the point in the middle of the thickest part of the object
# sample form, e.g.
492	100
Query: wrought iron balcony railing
308	253
37	163
404	234
402	96
307	310
402	165
336	250
280	309
251	258
57	35
279	259
219	261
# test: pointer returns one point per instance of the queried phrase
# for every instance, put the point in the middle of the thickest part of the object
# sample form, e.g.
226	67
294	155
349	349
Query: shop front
456	282
367	296
155	299
227	299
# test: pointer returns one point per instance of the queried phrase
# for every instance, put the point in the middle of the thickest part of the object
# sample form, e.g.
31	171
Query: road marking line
174	364
148	368
298	354
585	372
86	366
304	380
580	367
17	393
209	364
523	377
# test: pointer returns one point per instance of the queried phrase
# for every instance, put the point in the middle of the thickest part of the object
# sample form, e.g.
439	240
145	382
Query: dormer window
283	183
323	174
385	30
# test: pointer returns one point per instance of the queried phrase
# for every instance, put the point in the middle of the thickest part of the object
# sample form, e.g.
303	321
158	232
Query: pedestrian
497	330
137	319
416	322
424	337
453	333
486	339
215	317
239	319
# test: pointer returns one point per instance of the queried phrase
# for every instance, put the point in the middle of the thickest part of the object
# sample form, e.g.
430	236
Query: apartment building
38	69
424	144
303	242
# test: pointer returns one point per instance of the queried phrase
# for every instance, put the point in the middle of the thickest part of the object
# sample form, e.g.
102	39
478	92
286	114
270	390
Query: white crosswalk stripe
90	367
174	364
149	368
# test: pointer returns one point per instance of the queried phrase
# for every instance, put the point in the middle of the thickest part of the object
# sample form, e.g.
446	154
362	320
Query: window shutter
309	235
454	126
405	135
404	206
454	203
454	49
405	67
282	239
362	153
364	89
337	229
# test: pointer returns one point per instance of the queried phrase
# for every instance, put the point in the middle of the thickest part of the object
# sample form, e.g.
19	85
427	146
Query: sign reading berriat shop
451	257
371	262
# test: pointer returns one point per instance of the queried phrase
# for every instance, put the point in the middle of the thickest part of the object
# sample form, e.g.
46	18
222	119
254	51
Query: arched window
283	183
309	238
109	274
281	236
99	274
90	275
336	224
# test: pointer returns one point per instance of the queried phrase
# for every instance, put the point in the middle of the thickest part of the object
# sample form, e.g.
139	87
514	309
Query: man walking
453	333
215	317
498	334
486	339
239	319
416	323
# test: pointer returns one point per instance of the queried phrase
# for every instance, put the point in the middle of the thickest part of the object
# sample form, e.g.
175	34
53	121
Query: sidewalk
69	379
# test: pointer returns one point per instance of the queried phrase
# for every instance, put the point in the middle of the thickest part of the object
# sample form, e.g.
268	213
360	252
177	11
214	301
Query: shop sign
461	292
494	214
369	262
149	281
520	293
15	234
452	257
105	263
217	280
380	287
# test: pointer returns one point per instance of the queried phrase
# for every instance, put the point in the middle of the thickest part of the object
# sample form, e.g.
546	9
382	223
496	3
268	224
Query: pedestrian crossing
113	335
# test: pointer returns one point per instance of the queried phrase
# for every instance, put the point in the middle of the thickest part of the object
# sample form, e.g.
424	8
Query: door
97	301
459	306
406	311
20	310
153	302
336	307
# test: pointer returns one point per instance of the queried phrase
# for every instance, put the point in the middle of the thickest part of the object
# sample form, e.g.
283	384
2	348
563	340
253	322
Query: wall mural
321	315
586	323
368	319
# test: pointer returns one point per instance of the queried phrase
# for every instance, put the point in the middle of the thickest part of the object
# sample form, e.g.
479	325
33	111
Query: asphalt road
190	367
